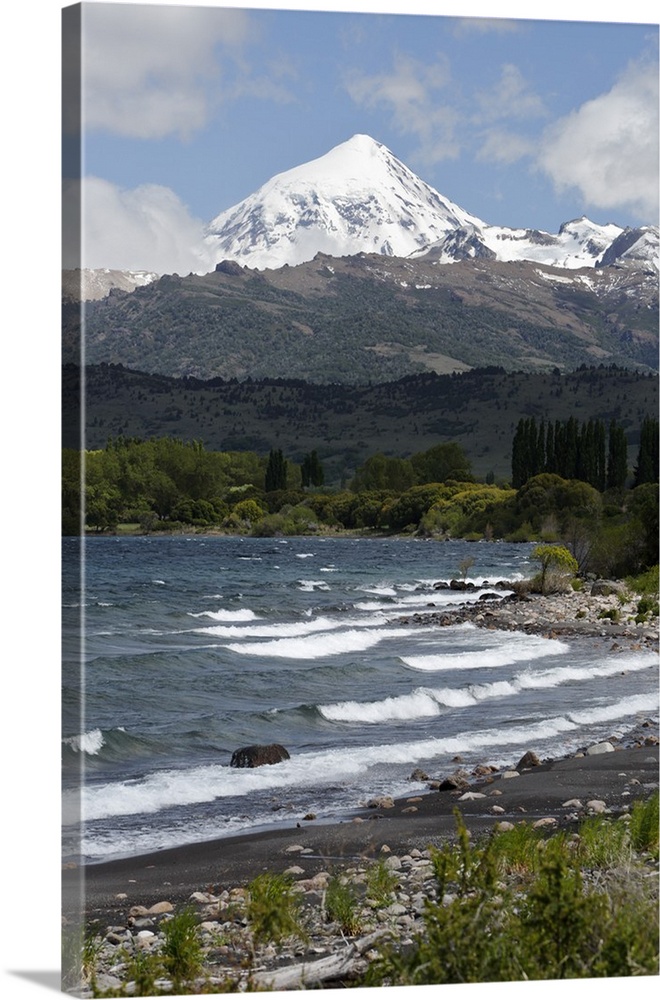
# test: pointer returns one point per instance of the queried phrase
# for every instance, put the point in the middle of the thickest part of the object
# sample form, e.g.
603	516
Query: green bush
273	909
646	583
341	905
381	883
182	951
644	823
515	906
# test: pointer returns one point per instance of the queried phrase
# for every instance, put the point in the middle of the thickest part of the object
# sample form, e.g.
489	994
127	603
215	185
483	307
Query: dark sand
616	777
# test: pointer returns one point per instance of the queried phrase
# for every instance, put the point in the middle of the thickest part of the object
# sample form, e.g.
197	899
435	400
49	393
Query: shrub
557	564
273	909
341	905
644	822
484	929
182	951
381	883
645	583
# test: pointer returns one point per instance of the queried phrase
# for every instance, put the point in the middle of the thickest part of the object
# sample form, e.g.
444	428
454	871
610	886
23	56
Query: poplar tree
275	471
646	469
617	457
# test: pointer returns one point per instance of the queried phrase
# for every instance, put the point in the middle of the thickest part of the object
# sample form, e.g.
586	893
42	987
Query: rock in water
255	756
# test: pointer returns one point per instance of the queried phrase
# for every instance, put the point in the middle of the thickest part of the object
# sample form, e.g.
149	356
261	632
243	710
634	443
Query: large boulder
256	755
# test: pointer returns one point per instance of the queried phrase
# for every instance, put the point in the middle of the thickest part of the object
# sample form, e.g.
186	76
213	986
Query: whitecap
507	652
90	742
319	646
225	615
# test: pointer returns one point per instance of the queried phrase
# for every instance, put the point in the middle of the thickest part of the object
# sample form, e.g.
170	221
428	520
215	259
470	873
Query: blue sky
522	122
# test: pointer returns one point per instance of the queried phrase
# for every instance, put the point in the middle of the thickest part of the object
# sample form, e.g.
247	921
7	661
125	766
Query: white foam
513	650
424	702
380	590
318	647
311	585
285	629
165	789
606	713
424	601
305	555
225	615
90	742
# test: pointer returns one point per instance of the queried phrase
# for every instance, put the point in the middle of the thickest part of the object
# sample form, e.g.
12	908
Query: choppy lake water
195	646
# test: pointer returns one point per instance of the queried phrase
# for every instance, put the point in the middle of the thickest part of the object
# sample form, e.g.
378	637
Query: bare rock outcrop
258	754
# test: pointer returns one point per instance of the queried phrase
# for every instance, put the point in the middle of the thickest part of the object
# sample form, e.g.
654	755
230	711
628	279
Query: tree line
586	451
167	484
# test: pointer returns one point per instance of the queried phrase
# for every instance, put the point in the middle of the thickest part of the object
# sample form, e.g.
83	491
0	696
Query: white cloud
608	147
503	146
152	71
510	97
411	93
146	228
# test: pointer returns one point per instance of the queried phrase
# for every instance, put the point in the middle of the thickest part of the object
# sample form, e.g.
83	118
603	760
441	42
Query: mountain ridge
371	317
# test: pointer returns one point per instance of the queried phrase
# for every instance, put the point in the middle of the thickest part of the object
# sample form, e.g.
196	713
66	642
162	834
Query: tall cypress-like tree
617	457
646	469
570	450
311	470
275	471
600	477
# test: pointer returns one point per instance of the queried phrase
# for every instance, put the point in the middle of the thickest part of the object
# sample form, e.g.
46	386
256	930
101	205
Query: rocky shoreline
605	611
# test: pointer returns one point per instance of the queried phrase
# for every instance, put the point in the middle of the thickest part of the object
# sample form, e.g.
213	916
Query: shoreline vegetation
546	869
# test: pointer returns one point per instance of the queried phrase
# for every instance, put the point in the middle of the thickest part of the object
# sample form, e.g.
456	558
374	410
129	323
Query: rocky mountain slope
371	317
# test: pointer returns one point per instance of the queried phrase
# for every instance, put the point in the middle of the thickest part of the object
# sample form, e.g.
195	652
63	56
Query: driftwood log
323	969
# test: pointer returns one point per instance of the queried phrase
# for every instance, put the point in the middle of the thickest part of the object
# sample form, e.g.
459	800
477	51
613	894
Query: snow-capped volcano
359	198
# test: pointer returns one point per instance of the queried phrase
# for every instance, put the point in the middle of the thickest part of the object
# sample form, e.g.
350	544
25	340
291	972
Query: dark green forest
478	410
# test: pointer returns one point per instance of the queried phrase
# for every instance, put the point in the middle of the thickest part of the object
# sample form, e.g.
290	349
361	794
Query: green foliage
644	825
380	472
312	473
514	906
341	905
276	471
646	468
556	561
645	583
381	883
143	969
273	909
182	951
441	463
248	511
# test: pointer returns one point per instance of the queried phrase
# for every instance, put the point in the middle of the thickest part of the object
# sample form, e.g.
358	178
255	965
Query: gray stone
528	760
257	755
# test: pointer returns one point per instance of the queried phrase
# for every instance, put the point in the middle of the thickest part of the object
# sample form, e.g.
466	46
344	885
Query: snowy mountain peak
356	198
359	198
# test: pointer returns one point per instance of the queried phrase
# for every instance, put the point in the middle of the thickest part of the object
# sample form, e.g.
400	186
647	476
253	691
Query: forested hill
351	319
478	409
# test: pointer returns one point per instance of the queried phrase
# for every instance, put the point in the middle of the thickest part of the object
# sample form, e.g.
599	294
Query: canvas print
360	499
